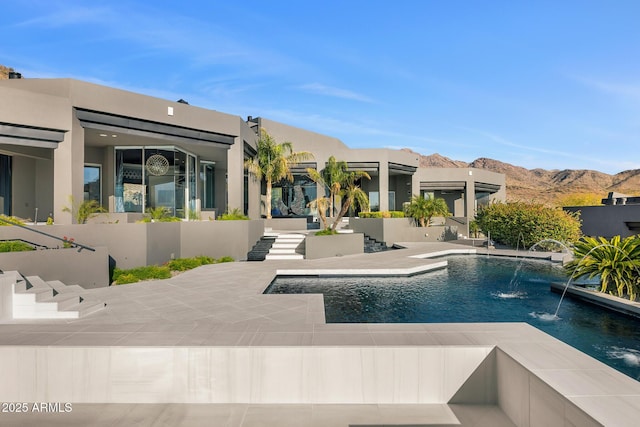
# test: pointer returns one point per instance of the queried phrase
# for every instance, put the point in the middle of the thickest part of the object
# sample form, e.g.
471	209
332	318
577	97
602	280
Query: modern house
64	140
619	215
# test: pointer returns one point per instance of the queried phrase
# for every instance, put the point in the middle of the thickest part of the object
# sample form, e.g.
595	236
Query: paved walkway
223	305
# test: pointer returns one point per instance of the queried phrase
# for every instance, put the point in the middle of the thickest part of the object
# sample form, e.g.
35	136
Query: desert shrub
184	264
10	220
159	214
233	215
150	272
15	246
382	214
516	223
154	272
615	262
83	211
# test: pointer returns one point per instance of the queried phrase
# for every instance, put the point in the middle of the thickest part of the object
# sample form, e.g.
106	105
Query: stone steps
285	247
34	298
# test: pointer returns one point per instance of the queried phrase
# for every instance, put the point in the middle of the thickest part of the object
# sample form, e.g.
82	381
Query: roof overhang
132	126
30	136
484	187
442	185
400	169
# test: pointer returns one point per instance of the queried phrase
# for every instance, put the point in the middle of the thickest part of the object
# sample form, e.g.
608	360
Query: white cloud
321	89
69	16
623	90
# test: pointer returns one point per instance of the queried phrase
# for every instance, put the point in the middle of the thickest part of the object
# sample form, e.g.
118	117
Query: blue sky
543	84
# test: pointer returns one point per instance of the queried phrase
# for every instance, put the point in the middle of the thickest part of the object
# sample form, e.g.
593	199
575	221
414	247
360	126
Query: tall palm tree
273	162
321	204
331	178
423	209
352	194
615	261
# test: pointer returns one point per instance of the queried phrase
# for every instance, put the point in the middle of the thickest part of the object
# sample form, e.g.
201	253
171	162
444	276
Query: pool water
479	289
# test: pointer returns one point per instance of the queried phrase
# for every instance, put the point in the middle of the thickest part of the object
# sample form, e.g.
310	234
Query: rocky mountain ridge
545	186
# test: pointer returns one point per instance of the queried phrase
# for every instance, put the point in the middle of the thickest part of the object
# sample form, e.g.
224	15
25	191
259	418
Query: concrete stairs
34	298
371	245
286	246
261	249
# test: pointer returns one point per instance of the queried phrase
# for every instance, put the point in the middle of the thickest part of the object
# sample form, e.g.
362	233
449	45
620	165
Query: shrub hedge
520	223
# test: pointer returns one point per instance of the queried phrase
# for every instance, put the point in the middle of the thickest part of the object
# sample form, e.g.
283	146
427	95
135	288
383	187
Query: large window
5	184
207	179
153	177
92	183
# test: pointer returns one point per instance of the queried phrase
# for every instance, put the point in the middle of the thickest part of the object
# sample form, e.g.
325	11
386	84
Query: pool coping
611	302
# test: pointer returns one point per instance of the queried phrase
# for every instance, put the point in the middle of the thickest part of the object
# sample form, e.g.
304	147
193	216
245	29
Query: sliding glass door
155	177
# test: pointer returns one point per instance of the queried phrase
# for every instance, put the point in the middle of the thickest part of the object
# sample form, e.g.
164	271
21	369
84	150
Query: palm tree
330	178
321	204
423	209
352	194
615	261
273	162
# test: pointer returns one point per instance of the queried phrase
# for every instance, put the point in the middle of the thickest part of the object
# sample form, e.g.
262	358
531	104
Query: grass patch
155	272
15	246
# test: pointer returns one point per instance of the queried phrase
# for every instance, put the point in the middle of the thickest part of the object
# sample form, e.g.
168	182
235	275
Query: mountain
545	186
4	72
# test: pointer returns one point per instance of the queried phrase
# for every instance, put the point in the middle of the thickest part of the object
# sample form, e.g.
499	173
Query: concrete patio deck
208	348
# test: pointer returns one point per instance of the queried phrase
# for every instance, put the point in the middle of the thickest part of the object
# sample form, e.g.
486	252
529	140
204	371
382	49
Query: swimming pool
479	289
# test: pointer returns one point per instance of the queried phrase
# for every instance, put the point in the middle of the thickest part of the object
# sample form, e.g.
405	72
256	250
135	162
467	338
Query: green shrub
10	220
155	272
326	232
370	214
382	214
159	214
233	215
15	246
83	211
150	272
184	264
517	223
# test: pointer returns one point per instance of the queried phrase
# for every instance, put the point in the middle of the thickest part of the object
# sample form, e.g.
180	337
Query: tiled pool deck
208	348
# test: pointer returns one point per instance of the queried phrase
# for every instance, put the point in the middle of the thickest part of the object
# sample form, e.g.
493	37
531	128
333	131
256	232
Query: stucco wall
85	268
134	245
333	246
394	230
607	221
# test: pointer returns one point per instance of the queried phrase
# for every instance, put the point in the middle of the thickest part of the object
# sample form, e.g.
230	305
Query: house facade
63	141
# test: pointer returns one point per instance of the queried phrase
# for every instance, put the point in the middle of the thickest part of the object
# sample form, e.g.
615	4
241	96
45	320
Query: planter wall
85	268
135	245
334	245
394	230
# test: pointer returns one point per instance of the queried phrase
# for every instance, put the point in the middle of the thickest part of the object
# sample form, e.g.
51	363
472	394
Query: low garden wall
393	230
333	245
86	268
138	244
